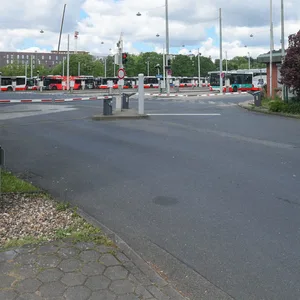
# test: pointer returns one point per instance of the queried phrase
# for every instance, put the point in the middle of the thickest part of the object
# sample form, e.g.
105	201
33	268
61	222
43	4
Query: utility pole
282	45
68	64
31	67
61	27
199	67
105	67
148	67
271	50
226	61
167	45
221	56
120	58
79	68
249	61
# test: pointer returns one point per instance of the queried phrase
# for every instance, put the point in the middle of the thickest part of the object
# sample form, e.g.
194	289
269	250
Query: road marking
184	114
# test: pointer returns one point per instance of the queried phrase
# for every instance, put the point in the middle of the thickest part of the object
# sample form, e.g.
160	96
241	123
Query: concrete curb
266	112
135	258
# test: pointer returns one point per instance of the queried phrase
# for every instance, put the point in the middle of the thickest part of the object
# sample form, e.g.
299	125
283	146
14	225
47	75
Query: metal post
148	68
141	93
61	27
164	67
199	68
31	67
63	67
79	68
249	61
271	50
114	69
221	59
282	44
68	64
105	66
167	44
119	98
0	81
226	61
26	66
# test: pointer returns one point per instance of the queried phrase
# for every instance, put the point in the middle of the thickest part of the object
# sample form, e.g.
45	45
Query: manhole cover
165	201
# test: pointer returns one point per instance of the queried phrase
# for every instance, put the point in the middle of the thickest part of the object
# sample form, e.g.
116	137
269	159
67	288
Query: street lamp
148	67
0	81
199	67
167	43
249	61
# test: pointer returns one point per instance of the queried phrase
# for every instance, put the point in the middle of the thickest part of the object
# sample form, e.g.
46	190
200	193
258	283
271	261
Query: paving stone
122	287
68	252
142	292
115	273
122	257
29	285
7	255
27	271
50	275
103	295
85	245
99	282
89	255
48	261
8	295
26	258
93	268
73	279
128	297
26	249
6	267
104	249
109	260
52	289
28	296
77	293
47	249
69	265
157	293
6	281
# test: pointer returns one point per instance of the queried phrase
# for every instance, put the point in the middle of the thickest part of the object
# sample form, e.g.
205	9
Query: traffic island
121	115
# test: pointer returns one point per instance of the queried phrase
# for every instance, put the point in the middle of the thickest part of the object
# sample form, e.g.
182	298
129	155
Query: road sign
159	76
121	73
121	82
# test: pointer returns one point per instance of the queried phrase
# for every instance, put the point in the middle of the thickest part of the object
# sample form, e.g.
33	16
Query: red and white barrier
53	100
193	95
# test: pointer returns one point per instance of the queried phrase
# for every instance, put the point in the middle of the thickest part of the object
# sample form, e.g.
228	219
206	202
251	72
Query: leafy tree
290	74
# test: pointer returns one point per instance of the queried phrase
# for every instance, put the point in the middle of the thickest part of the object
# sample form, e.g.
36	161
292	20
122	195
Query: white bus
8	83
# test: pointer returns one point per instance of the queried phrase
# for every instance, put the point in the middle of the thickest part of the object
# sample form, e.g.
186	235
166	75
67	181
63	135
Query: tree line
182	65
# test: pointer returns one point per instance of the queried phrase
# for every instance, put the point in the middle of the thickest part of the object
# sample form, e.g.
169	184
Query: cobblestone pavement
82	271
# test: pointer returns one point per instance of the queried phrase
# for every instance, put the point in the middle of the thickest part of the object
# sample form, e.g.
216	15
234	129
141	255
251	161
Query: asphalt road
213	201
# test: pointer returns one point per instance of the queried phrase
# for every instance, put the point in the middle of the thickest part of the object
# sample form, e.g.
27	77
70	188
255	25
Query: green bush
292	108
277	106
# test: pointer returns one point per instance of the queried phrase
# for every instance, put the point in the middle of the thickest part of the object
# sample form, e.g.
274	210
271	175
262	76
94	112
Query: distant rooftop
265	58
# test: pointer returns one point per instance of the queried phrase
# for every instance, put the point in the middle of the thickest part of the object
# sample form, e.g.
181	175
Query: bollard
125	101
107	107
141	92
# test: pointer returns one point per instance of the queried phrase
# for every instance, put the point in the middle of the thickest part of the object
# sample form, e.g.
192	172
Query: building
47	59
276	65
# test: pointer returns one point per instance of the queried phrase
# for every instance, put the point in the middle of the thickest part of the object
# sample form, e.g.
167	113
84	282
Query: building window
18	56
23	56
50	57
11	61
11	56
27	56
7	61
56	57
43	57
22	61
7	56
52	62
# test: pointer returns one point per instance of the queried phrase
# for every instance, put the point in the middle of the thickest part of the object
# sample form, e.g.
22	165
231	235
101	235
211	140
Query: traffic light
124	58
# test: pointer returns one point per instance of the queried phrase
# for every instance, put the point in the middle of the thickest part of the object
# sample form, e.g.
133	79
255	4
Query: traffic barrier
53	100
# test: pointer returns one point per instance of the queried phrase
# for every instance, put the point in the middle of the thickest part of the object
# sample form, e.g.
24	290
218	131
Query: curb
118	117
135	258
266	112
53	100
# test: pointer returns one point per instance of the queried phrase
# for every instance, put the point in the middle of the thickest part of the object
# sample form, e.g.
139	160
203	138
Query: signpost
121	73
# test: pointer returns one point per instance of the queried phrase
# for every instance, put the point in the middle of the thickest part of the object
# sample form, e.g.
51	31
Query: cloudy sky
193	24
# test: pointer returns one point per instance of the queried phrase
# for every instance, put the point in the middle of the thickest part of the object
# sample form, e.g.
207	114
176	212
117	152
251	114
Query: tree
290	74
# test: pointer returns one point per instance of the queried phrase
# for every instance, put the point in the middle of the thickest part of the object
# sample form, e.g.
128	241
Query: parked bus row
58	82
238	80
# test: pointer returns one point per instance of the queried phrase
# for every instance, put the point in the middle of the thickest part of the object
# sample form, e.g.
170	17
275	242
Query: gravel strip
31	215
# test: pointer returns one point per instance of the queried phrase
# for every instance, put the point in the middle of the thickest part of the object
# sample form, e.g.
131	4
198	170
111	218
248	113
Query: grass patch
16	243
12	184
62	206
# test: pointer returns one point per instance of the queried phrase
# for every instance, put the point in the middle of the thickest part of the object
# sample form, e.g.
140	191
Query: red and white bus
9	82
102	82
55	82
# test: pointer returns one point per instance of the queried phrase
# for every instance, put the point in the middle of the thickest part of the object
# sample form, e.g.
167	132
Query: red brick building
276	65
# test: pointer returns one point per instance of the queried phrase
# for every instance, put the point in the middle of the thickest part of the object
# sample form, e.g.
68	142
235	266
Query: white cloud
191	23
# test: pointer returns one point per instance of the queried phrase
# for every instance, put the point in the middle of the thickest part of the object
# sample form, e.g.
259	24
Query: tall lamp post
199	68
249	61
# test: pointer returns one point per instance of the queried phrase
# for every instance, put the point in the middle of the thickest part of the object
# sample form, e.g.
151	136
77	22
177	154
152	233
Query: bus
102	82
239	80
32	84
58	82
8	83
187	82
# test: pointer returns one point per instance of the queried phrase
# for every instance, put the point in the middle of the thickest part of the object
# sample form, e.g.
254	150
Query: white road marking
184	114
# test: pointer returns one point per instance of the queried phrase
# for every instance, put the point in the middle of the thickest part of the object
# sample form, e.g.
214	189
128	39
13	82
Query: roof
265	58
